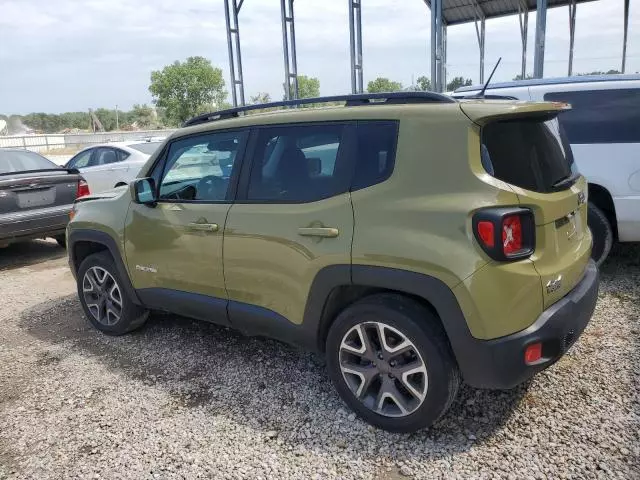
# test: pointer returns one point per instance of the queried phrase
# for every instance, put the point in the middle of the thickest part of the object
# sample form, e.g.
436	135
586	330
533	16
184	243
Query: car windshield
21	161
147	147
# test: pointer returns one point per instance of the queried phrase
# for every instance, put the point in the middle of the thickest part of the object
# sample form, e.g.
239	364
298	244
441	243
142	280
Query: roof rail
350	101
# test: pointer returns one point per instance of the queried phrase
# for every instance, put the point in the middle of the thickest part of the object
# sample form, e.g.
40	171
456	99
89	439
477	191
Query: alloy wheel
383	369
102	296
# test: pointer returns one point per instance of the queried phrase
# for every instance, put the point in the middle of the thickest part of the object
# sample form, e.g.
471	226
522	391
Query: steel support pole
231	10
289	50
541	27
438	45
624	36
480	33
355	43
523	17
434	56
572	33
444	56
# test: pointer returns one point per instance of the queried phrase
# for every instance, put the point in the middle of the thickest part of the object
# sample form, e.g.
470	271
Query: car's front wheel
390	361
103	298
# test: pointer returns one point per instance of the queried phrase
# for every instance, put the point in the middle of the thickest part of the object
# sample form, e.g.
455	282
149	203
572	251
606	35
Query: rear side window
299	163
601	116
376	147
22	161
530	153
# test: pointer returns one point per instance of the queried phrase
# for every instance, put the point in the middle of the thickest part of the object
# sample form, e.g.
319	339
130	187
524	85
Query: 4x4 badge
581	198
554	285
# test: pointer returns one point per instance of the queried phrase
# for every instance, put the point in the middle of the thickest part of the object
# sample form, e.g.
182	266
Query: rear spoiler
485	111
71	171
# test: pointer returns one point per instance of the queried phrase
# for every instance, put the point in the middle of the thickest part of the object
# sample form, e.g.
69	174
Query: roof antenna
481	93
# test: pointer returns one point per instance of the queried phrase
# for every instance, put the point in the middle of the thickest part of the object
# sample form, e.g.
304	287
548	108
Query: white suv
603	128
110	165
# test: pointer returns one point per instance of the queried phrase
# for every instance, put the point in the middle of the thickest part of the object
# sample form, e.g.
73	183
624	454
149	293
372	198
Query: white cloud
59	55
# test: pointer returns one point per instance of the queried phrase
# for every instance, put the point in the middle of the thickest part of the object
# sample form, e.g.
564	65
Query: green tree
423	83
188	88
260	97
458	82
382	84
142	115
308	87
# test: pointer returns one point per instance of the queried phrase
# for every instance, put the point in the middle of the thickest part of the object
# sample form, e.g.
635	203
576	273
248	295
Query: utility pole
117	122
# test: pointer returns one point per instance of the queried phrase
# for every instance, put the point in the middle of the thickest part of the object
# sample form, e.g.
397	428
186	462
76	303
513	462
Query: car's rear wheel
391	363
602	233
103	298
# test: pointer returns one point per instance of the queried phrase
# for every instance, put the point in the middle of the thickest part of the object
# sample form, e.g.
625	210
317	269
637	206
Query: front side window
600	116
199	167
298	163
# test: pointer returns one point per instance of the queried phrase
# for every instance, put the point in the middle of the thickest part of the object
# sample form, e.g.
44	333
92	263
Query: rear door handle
204	227
318	232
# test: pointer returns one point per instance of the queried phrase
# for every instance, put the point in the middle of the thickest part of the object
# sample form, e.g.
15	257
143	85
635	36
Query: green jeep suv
414	240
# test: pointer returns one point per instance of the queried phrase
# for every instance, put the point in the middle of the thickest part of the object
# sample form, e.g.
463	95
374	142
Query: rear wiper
566	181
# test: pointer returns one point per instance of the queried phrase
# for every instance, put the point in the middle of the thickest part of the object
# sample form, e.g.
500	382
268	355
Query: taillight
505	233
511	234
83	189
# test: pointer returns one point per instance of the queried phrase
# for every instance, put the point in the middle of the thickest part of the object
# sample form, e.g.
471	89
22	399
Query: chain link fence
67	143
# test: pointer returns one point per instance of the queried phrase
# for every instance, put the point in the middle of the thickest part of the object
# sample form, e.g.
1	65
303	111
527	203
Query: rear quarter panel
420	220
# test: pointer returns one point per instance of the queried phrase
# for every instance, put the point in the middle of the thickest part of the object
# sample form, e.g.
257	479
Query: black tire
602	233
62	240
421	327
131	317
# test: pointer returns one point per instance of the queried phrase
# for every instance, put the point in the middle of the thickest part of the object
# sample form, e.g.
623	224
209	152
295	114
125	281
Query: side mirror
143	191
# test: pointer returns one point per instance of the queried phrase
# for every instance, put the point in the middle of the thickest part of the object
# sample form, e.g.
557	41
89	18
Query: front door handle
325	232
204	227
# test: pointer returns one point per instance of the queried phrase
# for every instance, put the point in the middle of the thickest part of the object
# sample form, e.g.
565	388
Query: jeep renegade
414	240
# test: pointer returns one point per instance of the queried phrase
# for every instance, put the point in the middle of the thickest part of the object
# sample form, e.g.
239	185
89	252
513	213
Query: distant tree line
423	84
140	116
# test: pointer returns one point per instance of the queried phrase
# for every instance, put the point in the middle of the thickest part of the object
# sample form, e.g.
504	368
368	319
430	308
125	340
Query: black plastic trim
187	304
496	216
102	238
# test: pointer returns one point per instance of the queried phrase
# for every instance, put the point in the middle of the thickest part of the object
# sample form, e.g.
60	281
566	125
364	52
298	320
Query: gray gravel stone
183	399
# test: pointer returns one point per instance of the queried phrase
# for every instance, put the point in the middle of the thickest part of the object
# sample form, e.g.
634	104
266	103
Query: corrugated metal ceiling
463	11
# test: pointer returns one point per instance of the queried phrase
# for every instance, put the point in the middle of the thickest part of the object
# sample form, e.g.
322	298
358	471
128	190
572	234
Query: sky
72	55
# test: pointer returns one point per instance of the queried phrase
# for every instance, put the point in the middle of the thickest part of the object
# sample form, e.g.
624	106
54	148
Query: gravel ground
181	399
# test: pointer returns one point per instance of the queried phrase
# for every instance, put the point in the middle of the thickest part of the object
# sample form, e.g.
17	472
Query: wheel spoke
114	294
91	281
389	392
366	374
414	368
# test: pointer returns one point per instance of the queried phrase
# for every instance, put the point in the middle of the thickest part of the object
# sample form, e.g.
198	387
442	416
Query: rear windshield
530	153
21	161
147	147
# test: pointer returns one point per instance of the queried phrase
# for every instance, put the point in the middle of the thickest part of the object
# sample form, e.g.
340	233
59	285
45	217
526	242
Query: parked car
371	233
603	127
111	165
36	196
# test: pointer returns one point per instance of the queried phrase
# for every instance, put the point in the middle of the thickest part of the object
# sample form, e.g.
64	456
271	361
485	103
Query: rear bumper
499	363
33	224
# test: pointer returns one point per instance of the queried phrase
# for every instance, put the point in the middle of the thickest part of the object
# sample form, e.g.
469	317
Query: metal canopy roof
456	12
